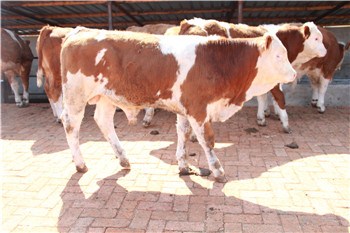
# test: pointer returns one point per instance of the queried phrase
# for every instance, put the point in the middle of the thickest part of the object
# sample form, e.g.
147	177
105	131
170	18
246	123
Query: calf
201	79
48	48
302	41
16	59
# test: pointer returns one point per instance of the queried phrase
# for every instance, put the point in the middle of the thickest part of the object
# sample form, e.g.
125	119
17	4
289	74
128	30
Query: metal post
240	11
110	19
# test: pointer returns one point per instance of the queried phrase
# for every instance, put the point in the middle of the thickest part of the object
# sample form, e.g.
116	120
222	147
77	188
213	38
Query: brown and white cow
302	41
321	70
201	79
48	48
16	59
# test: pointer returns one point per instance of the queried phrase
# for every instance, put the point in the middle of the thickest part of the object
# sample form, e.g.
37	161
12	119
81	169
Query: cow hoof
82	169
145	124
221	179
193	138
287	130
125	163
58	120
261	122
321	109
186	171
19	104
314	103
267	113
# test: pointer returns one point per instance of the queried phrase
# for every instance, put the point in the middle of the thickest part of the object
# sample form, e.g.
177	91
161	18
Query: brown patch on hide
292	38
279	96
222	69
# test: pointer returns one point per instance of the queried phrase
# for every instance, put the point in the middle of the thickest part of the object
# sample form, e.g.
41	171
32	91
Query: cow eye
316	39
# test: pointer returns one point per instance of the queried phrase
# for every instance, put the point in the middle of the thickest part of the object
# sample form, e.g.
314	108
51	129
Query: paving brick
184	226
270	188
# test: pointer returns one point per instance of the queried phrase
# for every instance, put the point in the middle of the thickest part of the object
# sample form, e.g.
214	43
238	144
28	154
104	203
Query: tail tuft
39	78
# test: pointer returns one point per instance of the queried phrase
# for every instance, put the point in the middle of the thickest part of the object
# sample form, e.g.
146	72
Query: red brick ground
270	188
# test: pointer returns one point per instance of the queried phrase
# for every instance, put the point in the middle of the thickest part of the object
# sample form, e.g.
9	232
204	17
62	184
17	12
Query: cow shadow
113	206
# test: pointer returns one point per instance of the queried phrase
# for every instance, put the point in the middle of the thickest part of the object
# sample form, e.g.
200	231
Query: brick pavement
270	188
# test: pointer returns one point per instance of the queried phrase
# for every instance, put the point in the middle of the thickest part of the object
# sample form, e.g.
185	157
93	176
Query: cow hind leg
322	92
11	77
183	129
104	118
71	119
148	117
205	137
25	85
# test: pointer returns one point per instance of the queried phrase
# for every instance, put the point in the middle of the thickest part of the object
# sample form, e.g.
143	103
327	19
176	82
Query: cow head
204	27
273	64
192	27
313	45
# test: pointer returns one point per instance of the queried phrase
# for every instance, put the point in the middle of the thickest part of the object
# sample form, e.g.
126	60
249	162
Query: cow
303	42
16	59
158	29
321	70
201	79
48	48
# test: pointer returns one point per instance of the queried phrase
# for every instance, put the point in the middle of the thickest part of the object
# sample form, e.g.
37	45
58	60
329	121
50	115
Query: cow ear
184	26
268	40
306	31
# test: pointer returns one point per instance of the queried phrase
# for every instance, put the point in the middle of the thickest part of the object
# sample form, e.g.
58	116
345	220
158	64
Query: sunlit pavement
270	188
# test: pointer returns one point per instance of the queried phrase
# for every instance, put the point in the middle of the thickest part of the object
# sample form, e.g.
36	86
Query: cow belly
221	110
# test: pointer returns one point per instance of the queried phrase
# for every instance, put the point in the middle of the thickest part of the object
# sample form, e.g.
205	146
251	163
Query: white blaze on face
99	56
313	46
273	68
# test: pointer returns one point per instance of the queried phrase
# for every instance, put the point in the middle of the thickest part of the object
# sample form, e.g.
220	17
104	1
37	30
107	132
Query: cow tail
347	46
44	32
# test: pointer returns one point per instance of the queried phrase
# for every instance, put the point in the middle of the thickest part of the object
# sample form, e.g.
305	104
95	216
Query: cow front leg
149	113
279	104
262	105
321	94
205	137
315	90
71	119
283	116
104	118
183	129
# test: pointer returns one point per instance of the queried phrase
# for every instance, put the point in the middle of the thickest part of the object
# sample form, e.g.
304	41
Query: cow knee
66	122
